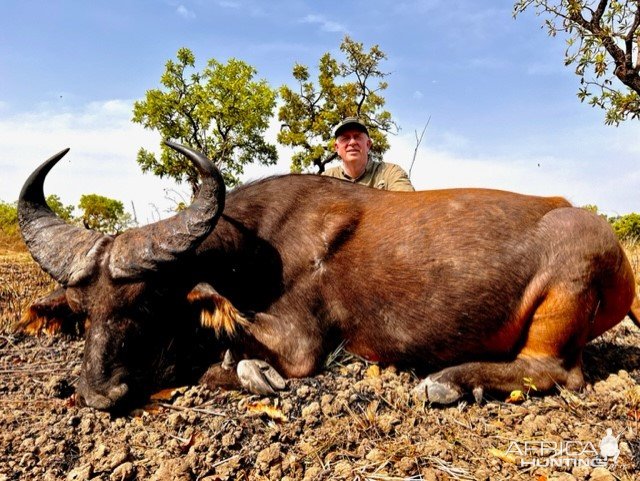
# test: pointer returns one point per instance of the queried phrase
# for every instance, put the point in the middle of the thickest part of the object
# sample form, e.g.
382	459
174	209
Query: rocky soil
355	421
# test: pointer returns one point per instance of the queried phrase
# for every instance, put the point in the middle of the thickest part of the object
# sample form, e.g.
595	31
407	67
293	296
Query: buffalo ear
216	311
51	315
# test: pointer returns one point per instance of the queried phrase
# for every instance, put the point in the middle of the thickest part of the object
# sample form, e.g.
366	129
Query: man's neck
352	171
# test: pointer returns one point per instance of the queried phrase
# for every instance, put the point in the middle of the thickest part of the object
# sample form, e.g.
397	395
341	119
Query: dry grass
632	248
21	283
11	243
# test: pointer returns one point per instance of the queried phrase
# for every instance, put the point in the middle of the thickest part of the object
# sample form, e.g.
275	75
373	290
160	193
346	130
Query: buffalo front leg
254	375
270	344
450	384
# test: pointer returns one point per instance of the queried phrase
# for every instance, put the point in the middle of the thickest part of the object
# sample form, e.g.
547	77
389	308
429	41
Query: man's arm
397	179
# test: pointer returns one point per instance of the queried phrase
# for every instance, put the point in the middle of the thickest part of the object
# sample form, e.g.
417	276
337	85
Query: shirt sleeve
397	179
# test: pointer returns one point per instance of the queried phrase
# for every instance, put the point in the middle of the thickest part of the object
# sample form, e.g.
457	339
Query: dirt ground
355	421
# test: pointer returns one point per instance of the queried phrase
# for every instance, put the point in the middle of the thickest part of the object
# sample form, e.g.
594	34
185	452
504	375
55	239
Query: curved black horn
66	252
147	248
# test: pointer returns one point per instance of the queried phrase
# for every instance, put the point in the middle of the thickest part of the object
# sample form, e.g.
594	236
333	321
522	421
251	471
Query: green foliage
104	214
8	219
62	211
591	208
220	111
627	227
603	43
343	89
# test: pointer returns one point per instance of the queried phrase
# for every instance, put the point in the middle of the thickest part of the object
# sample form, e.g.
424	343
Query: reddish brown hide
498	285
483	287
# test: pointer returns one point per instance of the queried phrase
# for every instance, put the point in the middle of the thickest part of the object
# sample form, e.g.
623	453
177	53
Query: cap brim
351	126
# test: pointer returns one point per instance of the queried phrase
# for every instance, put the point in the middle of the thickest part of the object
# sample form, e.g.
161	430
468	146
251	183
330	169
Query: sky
501	107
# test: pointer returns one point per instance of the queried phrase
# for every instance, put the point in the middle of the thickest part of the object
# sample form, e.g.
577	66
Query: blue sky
503	106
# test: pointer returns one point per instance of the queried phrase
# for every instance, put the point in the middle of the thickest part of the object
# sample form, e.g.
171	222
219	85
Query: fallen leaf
148	409
516	396
509	458
168	394
372	371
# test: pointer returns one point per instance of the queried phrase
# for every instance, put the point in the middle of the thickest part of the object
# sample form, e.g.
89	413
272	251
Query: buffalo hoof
259	377
437	392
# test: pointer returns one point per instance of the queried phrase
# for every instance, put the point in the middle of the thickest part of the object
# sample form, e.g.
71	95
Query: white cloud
326	25
104	143
580	181
184	12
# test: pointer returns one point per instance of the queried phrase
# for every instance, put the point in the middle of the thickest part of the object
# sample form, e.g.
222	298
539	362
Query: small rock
377	456
406	465
100	452
563	477
58	387
176	420
429	474
74	421
83	473
119	456
343	470
303	391
601	474
312	472
124	472
172	470
86	425
311	410
581	471
268	456
229	440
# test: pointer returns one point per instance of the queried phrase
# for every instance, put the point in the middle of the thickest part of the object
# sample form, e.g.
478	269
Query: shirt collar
368	168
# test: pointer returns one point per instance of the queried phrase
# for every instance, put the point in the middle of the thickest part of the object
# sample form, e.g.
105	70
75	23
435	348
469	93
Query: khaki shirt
380	175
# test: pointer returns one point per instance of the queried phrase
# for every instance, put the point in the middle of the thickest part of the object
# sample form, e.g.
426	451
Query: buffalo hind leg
450	384
551	353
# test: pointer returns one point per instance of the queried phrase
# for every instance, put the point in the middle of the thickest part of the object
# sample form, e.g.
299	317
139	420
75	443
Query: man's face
353	147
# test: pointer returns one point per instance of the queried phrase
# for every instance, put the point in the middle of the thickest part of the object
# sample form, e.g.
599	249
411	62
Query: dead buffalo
483	288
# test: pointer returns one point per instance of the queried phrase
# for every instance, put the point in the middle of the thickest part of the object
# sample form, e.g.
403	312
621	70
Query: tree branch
597	15
418	142
629	38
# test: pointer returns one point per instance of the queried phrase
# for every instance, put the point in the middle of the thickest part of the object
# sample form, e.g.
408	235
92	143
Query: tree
220	111
627	227
343	89
604	45
104	214
62	211
8	218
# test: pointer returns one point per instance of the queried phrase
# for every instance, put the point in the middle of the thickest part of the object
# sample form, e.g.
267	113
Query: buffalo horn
145	249
68	253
